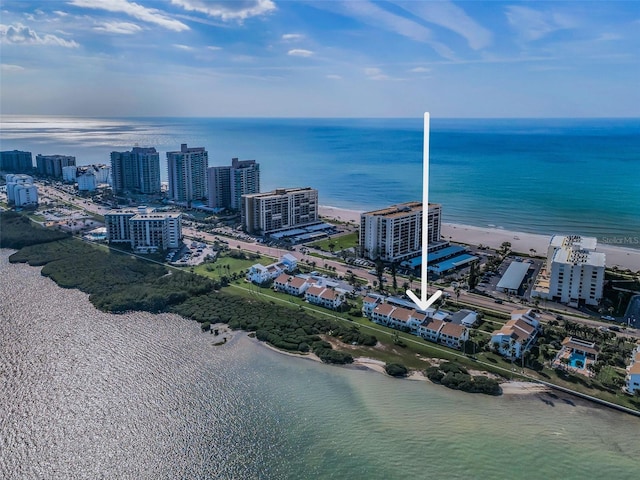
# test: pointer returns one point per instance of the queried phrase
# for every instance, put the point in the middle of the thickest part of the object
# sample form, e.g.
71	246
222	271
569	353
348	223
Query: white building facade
394	234
227	184
145	230
187	171
278	210
574	271
632	378
21	191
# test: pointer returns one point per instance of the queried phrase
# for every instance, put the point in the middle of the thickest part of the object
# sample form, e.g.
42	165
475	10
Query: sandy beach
493	237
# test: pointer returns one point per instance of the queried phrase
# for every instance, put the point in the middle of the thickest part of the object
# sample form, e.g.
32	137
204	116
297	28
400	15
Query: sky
320	58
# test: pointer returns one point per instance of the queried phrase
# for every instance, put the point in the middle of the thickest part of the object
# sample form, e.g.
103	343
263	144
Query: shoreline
509	387
521	242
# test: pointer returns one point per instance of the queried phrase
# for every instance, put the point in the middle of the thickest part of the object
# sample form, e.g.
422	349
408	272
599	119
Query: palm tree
620	298
393	274
457	292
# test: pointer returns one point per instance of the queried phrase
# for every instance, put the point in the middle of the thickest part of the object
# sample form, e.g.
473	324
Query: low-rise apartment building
517	335
632	379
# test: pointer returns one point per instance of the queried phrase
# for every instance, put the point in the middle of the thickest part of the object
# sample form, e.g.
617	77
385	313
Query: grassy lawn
218	268
416	352
36	217
339	242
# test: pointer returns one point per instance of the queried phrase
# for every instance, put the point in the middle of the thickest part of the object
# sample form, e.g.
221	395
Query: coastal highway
340	268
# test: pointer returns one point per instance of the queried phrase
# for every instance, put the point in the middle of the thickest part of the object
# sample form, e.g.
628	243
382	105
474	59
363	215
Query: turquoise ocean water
534	175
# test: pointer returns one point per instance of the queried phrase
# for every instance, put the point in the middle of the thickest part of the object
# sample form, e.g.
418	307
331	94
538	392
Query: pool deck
566	353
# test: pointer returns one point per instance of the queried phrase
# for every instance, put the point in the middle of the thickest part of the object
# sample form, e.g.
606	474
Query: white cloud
535	24
149	15
420	70
376	16
375	74
186	48
22	35
7	67
123	28
452	17
214	48
300	52
334	77
60	13
236	10
292	37
607	37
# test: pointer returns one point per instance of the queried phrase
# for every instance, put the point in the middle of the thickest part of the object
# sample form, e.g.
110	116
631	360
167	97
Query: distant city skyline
355	58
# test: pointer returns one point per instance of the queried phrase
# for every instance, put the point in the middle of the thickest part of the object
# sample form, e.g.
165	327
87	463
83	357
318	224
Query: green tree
505	248
473	275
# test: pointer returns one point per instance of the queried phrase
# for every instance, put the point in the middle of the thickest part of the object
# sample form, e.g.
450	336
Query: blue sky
320	58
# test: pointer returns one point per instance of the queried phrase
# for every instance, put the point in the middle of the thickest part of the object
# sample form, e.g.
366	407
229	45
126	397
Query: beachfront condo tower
394	234
144	229
16	161
279	210
574	271
187	170
227	184
52	165
136	171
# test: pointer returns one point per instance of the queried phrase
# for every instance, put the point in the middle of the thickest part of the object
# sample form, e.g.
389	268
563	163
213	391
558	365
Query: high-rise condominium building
16	161
136	171
574	272
227	184
188	173
395	233
280	209
144	229
21	191
52	165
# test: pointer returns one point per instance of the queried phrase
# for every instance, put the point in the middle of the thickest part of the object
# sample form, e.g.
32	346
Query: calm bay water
539	175
91	395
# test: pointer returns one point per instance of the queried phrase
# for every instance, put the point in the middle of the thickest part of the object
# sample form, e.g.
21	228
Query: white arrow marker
423	302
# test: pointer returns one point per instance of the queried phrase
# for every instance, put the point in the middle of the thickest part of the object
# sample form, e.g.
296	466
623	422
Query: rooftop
452	329
513	277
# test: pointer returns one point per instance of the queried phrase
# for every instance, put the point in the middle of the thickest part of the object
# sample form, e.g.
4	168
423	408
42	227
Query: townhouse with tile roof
632	378
517	335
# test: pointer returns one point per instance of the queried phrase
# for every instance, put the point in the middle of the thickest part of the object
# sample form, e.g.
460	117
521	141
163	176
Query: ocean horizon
546	176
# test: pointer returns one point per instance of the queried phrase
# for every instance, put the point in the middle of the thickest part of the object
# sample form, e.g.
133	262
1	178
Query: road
340	268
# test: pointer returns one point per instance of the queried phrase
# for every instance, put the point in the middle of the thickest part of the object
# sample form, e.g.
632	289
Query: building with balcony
573	273
21	192
187	169
227	184
394	234
52	165
137	171
16	161
517	335
144	229
632	379
279	210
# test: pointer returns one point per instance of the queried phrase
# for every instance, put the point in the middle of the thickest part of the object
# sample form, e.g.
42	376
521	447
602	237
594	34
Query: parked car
497	300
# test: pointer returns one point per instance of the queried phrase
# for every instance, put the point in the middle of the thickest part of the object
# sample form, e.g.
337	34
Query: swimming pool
577	361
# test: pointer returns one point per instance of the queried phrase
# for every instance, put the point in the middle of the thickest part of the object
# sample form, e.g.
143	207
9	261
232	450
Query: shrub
450	367
396	370
434	374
